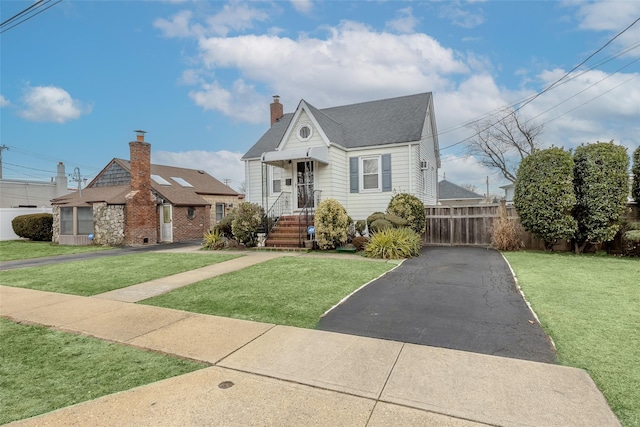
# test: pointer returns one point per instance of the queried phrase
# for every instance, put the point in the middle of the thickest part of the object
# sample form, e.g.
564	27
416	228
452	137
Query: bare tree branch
501	142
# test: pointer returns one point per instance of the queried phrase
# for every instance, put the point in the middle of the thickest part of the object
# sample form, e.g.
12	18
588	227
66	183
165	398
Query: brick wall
185	228
276	109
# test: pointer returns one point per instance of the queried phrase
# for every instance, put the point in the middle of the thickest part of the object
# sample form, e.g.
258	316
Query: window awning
319	154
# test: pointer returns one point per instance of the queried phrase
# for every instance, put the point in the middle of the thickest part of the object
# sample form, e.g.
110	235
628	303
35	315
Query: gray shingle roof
365	124
450	191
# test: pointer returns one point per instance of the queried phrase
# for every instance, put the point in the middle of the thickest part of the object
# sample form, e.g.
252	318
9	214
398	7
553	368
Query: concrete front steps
289	232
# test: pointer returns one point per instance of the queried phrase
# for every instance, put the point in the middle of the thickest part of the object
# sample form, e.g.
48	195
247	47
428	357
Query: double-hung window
276	180
219	211
368	174
370	179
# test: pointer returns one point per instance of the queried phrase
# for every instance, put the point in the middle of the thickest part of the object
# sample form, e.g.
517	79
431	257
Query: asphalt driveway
461	298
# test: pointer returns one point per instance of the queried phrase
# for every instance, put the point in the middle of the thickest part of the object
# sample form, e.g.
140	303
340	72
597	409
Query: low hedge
38	227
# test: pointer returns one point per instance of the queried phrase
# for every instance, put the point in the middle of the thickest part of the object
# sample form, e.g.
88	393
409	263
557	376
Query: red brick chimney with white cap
277	109
141	218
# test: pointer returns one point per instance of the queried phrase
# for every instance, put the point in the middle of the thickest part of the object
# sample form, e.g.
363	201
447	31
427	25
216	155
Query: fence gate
461	225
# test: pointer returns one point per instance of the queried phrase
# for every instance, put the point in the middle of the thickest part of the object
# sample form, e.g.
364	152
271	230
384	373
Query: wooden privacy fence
471	225
461	225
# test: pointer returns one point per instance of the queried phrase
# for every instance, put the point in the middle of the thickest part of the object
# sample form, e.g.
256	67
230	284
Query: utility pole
2	148
76	177
488	196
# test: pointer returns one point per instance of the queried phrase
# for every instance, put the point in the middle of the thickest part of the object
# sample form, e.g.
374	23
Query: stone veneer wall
108	224
55	211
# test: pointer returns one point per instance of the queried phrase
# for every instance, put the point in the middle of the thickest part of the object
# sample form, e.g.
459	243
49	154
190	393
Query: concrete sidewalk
263	374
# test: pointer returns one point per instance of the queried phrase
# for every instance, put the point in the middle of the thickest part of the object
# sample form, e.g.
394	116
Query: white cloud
404	23
4	102
222	165
592	106
241	102
51	104
327	72
613	17
235	16
302	6
178	26
461	17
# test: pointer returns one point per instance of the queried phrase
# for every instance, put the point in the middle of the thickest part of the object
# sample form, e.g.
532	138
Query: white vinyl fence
7	215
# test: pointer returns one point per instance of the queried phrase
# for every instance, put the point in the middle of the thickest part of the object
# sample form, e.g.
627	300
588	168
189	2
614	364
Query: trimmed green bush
361	226
410	208
601	183
394	243
379	225
246	222
631	238
394	220
332	224
38	227
544	195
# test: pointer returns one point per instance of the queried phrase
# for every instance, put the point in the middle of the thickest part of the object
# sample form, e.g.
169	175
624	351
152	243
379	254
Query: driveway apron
461	298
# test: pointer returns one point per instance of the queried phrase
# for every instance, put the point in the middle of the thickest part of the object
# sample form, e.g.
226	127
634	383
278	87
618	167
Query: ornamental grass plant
393	243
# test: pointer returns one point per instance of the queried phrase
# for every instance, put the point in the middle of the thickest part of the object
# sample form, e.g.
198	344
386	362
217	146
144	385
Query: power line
548	88
37	6
528	98
555	84
586	89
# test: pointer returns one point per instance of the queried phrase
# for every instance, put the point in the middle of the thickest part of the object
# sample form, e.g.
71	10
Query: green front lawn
95	276
590	306
11	250
293	291
42	370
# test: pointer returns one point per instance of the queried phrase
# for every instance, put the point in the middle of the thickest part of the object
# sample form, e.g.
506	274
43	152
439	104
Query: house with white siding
359	154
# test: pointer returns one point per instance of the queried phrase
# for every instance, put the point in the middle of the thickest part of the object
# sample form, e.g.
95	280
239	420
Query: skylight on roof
181	181
160	180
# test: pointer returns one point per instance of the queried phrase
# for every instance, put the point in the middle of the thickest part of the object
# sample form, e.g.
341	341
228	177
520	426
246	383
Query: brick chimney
141	219
277	110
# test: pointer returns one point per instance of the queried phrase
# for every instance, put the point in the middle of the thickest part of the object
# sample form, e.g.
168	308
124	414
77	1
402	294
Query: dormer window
304	132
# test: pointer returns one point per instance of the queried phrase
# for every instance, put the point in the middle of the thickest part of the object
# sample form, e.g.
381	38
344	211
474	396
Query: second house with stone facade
134	202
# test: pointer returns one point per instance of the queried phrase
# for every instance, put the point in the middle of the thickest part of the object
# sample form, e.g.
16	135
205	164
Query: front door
166	229
304	185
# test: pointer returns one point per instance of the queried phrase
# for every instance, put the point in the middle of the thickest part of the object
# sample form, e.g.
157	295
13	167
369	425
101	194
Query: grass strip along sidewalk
42	370
11	250
292	291
590	306
95	276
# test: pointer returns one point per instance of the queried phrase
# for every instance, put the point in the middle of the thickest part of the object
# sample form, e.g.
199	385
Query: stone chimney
277	110
141	219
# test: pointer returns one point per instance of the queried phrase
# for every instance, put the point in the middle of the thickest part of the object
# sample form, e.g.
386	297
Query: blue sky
78	78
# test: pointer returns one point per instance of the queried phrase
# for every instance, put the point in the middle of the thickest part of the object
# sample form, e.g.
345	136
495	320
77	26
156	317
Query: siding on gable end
293	142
